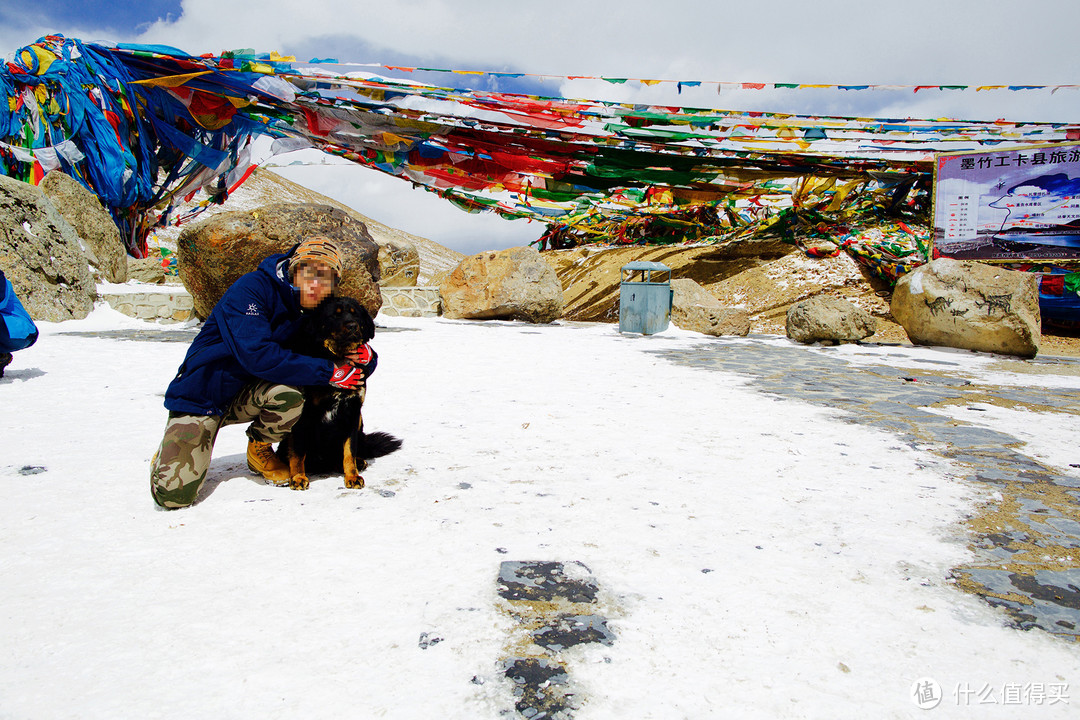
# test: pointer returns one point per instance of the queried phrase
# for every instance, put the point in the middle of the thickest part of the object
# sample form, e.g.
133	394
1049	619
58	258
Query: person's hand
360	356
347	377
364	358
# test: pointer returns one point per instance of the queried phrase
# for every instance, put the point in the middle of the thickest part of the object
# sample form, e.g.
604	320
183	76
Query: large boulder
212	254
824	318
513	284
399	262
83	210
693	308
42	256
969	305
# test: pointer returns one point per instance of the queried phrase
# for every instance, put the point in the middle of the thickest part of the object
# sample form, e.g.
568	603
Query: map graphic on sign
1008	205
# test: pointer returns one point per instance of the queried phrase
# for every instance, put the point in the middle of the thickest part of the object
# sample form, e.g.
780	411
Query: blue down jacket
242	341
17	330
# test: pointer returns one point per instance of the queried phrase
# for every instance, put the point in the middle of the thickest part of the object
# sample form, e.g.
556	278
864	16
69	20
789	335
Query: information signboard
1009	204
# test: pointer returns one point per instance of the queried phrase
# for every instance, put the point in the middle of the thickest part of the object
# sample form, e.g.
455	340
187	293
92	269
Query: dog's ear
367	325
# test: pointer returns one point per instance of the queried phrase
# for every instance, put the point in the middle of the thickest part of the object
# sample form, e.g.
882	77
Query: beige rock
212	254
41	254
824	318
970	305
83	210
693	308
399	262
514	284
147	270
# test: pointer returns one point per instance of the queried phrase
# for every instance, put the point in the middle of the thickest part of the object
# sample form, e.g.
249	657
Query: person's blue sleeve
17	330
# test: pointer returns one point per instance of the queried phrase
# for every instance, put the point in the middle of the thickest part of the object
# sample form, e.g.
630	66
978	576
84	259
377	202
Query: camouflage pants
179	467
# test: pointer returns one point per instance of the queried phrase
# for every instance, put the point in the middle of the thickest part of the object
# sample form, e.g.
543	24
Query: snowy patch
758	557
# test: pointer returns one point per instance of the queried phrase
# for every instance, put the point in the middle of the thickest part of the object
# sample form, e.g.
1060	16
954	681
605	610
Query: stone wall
165	307
411	301
177	306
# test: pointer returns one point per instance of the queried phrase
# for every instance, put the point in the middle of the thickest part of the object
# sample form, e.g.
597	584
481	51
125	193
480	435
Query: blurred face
315	281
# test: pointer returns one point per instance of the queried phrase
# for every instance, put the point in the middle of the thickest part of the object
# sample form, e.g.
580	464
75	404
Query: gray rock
693	308
212	254
41	254
83	210
970	305
824	318
513	284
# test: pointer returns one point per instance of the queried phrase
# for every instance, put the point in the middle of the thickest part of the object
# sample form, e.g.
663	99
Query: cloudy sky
840	42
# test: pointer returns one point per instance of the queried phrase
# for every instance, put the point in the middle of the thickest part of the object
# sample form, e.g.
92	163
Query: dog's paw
299	482
355	482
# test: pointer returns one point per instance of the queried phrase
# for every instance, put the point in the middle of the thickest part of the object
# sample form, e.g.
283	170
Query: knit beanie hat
318	249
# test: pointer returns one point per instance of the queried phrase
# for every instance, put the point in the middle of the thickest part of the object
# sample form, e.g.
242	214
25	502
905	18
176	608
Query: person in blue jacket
17	330
239	370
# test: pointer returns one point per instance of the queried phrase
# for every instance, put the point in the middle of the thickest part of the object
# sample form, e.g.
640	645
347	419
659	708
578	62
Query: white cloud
966	42
919	42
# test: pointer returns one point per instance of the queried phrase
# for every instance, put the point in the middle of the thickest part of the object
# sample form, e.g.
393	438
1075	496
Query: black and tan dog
329	437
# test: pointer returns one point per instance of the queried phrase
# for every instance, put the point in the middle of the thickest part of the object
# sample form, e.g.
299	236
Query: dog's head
342	324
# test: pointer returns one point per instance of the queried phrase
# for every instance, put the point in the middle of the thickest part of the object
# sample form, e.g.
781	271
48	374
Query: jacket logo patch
253	310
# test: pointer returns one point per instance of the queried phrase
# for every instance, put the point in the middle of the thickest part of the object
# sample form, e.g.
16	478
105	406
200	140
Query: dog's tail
372	445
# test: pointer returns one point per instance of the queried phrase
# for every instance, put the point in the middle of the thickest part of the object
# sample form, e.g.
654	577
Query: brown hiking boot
261	459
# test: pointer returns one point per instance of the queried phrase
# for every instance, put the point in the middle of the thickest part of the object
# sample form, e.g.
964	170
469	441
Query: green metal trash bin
644	297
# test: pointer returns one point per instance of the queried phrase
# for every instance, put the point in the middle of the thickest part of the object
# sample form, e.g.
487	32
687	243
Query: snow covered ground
757	557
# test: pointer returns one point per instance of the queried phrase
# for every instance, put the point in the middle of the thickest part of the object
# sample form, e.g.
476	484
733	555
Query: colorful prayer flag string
142	126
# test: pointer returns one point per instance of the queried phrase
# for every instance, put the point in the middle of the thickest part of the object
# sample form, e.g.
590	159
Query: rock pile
728	289
762	277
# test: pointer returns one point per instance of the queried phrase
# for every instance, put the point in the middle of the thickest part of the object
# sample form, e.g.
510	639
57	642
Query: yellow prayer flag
841	194
171	81
44	58
389	138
